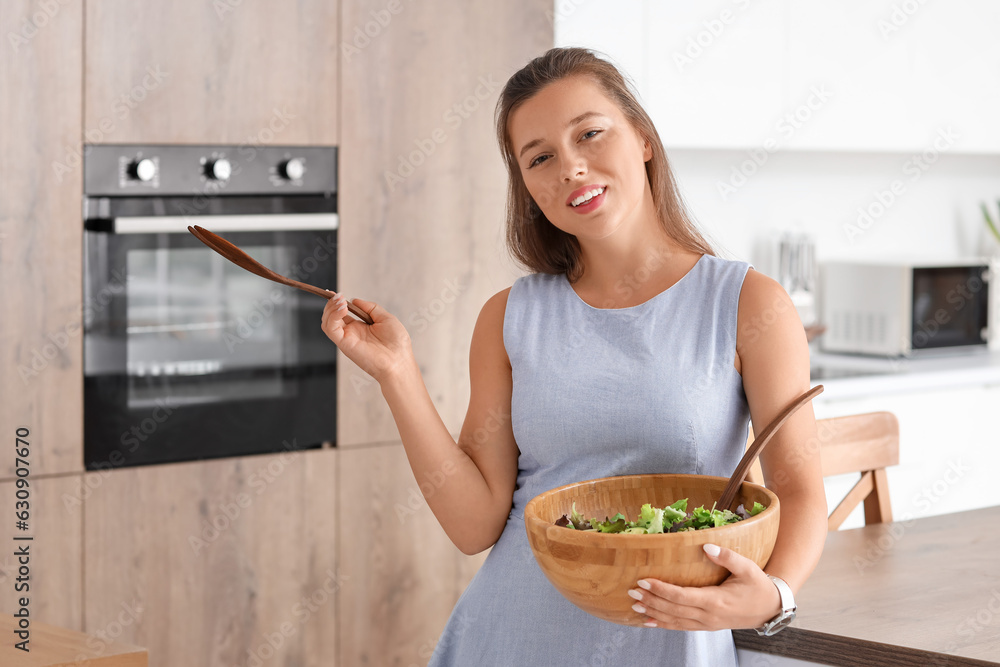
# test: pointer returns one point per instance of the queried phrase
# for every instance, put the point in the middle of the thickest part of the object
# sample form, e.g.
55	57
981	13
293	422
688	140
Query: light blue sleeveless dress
601	392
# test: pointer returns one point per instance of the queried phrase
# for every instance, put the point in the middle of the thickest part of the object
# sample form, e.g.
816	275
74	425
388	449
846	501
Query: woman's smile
587	198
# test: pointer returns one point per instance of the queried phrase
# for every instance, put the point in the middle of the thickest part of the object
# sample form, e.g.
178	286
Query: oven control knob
292	169
218	169
142	169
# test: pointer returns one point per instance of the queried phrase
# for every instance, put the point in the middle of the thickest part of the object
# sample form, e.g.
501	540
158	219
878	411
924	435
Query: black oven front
186	355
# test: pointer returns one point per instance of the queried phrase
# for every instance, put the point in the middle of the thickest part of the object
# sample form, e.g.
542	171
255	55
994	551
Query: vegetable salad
671	519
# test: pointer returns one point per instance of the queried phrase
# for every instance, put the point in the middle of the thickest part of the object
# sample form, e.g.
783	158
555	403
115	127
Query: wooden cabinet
41	234
406	573
242	560
55	593
244	72
422	190
218	562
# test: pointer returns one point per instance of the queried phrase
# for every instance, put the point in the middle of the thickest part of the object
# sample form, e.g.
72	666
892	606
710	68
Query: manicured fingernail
635	594
643	584
650	624
639	608
712	549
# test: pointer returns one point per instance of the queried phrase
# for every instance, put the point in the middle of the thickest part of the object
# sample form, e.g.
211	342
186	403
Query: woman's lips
587	206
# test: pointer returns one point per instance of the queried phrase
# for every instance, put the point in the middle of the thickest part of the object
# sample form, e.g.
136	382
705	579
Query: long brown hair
534	241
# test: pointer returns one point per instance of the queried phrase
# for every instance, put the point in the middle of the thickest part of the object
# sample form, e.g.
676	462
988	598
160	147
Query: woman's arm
472	481
773	358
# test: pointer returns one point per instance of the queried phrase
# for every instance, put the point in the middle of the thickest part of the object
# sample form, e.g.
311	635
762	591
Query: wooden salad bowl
594	570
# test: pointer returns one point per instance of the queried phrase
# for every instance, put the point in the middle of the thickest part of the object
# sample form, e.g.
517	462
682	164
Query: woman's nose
574	166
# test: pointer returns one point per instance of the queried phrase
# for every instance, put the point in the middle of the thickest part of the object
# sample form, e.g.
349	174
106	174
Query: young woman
631	348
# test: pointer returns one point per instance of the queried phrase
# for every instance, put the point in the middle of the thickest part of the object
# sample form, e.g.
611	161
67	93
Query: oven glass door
950	306
188	356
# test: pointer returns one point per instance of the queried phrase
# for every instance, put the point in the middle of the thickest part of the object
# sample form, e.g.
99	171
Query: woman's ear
647	150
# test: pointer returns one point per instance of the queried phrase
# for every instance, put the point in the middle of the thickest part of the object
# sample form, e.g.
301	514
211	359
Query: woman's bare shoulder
761	293
496	303
488	335
768	324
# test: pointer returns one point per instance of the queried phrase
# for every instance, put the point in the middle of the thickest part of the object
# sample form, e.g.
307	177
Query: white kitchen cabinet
750	658
708	73
613	28
891	75
899	74
949	448
715	72
869	79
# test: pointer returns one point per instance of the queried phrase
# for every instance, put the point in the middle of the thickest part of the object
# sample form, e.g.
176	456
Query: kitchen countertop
919	592
853	376
51	646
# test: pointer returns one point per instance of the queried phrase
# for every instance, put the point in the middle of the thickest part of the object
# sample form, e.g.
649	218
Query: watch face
781	623
777	624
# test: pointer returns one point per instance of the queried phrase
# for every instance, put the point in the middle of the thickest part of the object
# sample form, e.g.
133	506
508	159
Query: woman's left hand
747	599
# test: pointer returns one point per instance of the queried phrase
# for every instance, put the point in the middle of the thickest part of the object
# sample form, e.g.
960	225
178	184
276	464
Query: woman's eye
591	133
537	161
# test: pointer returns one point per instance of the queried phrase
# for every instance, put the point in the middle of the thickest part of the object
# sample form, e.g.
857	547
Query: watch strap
787	613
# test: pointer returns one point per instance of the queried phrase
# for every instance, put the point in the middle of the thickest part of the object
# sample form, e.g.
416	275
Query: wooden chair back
864	443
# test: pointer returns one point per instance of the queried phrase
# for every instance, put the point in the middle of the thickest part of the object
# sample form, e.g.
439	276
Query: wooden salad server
245	261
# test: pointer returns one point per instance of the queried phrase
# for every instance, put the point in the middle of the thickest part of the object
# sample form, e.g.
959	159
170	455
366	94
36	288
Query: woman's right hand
379	349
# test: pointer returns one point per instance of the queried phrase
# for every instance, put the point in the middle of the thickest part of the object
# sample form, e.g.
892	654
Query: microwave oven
905	308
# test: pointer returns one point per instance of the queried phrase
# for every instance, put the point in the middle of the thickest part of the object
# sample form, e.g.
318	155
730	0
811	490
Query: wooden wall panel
422	182
41	233
222	561
56	578
405	573
228	71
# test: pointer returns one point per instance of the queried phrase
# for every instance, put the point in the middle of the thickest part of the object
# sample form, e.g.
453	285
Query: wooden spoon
245	261
759	442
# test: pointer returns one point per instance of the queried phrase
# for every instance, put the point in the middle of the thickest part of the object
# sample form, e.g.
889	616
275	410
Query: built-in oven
186	355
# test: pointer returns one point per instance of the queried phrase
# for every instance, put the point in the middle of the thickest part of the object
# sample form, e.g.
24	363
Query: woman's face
581	160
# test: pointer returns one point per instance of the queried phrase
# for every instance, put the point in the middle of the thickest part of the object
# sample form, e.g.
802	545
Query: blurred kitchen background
793	116
866	130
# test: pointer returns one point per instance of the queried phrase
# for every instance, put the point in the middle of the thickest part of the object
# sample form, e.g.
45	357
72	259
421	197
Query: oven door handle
177	224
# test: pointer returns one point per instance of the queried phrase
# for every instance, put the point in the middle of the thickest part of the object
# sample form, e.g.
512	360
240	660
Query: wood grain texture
405	573
41	233
920	592
423	186
865	443
878	508
52	646
859	442
218	562
244	72
55	560
595	571
858	493
752	456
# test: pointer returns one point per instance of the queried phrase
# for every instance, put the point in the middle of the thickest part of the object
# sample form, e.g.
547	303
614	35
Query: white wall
937	214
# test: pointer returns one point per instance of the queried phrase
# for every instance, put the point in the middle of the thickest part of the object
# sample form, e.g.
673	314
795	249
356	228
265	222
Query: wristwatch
787	613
